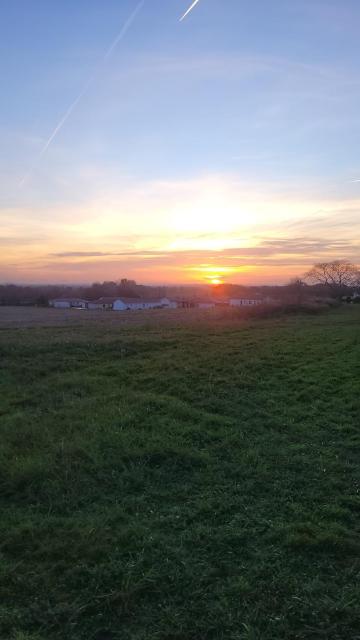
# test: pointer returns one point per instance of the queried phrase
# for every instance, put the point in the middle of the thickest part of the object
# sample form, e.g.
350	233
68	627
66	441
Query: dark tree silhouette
297	290
338	276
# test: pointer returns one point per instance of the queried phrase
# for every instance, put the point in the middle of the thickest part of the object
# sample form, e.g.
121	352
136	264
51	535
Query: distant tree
127	288
338	276
42	301
296	290
99	290
94	292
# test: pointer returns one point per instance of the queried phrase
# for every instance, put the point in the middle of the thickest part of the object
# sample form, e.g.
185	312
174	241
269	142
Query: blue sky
253	104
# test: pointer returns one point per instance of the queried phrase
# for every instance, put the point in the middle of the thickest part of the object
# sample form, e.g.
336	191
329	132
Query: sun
211	274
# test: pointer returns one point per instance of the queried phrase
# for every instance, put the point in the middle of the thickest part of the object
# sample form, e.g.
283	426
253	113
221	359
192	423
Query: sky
221	148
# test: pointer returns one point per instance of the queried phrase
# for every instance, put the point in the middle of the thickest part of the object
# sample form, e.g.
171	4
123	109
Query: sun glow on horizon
212	274
186	232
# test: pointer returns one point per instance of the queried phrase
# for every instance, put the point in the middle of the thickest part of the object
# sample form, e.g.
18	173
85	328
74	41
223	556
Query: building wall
119	305
171	304
95	305
240	302
66	304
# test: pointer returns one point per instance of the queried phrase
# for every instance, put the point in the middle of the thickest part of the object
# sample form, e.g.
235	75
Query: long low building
208	303
115	304
68	303
104	304
243	302
122	303
136	304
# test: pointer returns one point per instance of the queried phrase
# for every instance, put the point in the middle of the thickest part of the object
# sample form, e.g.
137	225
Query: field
179	476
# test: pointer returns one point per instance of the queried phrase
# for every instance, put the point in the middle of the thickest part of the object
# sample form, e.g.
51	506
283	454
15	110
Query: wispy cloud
265	247
180	225
22	241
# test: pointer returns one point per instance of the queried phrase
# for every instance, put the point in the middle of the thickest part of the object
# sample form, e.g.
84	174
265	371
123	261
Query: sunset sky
224	147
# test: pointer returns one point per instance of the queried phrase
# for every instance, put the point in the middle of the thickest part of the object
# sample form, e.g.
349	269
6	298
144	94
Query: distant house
205	304
116	304
103	304
68	303
209	303
167	303
136	304
185	303
243	302
27	302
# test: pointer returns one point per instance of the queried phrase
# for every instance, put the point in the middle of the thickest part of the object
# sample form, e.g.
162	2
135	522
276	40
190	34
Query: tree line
335	279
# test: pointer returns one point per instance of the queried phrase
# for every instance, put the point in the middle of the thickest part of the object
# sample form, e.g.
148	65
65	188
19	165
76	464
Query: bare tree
296	290
337	276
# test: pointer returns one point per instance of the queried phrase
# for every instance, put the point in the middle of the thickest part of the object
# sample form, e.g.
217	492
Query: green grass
194	482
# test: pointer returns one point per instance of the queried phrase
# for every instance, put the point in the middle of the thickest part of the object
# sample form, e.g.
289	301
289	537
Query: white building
205	304
68	303
102	304
136	304
240	302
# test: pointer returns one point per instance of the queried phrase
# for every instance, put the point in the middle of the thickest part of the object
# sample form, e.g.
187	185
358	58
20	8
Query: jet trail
74	104
56	131
189	9
124	30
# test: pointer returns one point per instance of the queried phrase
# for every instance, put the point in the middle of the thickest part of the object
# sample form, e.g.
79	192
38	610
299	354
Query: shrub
278	310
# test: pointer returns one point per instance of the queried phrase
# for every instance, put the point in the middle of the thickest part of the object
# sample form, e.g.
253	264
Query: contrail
74	104
124	30
56	131
189	9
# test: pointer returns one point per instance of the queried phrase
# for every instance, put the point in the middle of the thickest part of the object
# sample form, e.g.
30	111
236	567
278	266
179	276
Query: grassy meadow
179	476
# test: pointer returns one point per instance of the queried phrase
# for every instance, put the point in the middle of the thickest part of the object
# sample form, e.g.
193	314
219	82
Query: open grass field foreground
179	476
